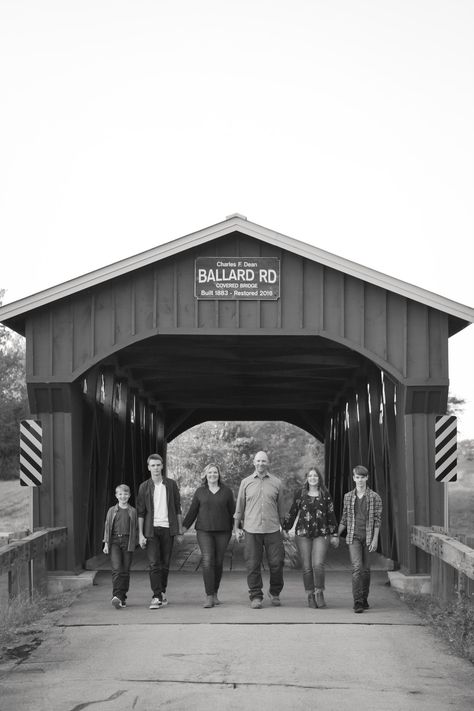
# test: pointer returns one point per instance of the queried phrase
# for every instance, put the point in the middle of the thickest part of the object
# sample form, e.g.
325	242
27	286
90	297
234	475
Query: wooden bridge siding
63	488
77	333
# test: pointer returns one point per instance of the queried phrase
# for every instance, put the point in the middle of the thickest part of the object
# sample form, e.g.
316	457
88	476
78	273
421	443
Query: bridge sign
31	453
446	448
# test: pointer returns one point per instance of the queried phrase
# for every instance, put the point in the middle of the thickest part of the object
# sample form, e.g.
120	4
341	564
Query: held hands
142	540
286	536
334	541
239	534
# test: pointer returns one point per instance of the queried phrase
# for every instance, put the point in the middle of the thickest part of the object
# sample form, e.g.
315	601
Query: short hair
211	465
123	487
154	457
360	470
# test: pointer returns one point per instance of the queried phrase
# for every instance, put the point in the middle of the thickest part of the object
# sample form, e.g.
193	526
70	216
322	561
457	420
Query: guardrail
23	566
452	562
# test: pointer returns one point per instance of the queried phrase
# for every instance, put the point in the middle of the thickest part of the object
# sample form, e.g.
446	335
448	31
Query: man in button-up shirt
260	508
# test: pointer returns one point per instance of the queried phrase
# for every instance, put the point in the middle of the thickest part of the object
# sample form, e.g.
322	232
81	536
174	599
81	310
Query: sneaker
275	599
155	603
209	601
256	603
358	607
164	600
123	604
116	602
320	601
216	600
365	604
312	601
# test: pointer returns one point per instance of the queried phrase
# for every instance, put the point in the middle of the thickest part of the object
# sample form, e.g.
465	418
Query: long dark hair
211	465
322	485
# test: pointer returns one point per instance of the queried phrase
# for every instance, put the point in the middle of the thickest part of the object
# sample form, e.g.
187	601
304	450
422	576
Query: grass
451	622
24	623
14	506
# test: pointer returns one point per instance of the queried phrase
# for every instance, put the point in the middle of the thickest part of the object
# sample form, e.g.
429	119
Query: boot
312	601
320	602
209	601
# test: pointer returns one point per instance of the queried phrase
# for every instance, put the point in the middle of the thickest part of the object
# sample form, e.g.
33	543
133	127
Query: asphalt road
184	657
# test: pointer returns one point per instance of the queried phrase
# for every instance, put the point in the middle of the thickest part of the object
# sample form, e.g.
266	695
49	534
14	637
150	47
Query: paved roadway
184	657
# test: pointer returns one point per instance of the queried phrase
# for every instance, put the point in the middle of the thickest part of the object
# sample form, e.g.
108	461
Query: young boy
120	540
362	516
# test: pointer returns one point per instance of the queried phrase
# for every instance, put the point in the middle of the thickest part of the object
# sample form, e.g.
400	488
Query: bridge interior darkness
297	379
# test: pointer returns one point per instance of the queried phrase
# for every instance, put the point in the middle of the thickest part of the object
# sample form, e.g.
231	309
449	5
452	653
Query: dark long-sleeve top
316	515
133	529
212	512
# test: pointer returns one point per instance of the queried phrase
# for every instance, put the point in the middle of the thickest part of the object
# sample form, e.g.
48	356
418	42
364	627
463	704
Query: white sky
345	124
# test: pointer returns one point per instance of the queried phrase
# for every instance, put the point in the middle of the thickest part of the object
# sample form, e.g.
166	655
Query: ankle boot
312	601
320	602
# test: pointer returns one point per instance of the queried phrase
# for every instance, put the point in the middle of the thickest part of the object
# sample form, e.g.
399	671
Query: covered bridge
235	322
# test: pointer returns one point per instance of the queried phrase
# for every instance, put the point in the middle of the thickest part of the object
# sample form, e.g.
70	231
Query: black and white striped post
446	456
446	448
31	453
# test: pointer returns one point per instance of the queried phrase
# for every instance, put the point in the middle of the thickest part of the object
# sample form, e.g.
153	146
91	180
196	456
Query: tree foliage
13	399
233	445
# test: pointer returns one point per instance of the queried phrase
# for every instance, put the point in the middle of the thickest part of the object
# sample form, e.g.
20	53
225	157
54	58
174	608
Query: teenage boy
159	521
120	540
362	516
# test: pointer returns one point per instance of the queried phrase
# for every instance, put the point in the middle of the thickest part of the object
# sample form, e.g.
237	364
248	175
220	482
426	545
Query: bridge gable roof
11	314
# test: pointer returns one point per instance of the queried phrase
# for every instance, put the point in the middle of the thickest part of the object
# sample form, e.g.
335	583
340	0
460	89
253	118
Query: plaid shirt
374	514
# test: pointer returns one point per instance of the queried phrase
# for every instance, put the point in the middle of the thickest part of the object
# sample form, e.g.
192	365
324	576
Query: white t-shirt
160	506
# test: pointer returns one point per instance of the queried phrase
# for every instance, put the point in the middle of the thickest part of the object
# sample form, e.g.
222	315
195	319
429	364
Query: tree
13	398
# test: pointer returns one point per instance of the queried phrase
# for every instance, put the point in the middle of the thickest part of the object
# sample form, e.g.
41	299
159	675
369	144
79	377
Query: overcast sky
345	124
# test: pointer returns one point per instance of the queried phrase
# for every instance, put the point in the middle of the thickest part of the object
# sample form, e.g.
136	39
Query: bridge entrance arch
122	360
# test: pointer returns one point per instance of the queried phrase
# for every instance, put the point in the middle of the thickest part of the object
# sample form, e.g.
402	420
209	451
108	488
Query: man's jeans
159	550
360	570
213	546
313	558
253	552
120	561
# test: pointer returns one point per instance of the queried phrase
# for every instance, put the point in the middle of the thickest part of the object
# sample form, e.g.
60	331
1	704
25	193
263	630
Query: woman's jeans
120	560
359	554
213	546
159	550
253	552
313	559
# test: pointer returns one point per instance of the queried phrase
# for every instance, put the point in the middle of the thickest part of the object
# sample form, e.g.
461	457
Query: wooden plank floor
187	557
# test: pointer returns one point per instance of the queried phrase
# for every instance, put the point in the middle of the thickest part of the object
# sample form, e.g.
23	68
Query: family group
258	517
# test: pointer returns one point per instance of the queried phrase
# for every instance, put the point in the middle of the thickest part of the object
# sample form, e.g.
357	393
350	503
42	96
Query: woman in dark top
315	527
213	509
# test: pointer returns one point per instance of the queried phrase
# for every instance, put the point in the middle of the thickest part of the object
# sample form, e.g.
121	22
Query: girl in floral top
315	527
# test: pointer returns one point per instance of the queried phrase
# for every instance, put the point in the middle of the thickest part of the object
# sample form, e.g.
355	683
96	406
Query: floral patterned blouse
316	515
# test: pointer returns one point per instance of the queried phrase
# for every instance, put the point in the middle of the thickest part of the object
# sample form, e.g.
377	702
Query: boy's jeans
359	554
253	552
313	557
120	560
159	550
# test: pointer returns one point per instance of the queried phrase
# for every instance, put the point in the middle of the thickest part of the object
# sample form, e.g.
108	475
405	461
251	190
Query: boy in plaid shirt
362	516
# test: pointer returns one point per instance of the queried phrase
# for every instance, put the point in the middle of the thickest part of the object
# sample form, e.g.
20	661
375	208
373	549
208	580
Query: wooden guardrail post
451	561
23	562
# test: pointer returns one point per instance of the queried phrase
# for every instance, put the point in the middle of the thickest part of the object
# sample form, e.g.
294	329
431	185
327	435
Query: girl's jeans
313	558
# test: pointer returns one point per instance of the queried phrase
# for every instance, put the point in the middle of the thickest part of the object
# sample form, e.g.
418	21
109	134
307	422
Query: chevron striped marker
31	453
446	448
